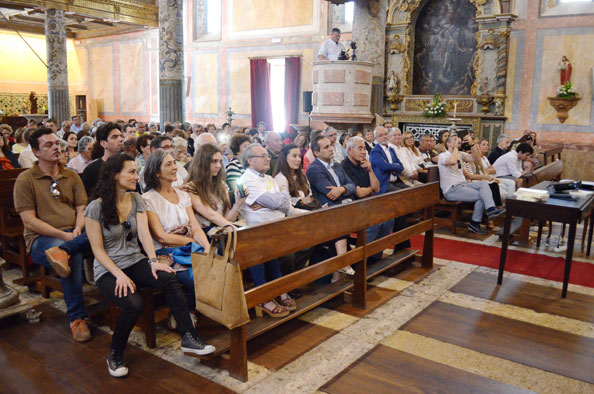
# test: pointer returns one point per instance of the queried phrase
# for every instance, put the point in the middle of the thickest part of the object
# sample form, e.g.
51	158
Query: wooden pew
550	155
272	240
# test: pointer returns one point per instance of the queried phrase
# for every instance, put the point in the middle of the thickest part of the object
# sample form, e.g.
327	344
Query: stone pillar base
171	101
58	104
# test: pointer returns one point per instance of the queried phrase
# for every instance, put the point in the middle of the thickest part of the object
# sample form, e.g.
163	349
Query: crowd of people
128	195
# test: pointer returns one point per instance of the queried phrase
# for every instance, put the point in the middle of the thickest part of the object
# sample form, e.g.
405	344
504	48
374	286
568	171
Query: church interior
504	304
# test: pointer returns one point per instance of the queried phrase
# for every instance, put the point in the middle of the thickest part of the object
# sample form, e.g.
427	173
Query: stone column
171	61
57	66
369	32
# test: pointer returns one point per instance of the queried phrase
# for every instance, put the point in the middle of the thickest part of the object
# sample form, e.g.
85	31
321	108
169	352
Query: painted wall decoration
445	46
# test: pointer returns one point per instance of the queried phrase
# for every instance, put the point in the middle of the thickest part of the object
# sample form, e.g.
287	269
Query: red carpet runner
524	263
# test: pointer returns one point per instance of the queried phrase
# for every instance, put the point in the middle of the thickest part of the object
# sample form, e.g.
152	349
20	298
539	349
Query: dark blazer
10	156
319	178
382	167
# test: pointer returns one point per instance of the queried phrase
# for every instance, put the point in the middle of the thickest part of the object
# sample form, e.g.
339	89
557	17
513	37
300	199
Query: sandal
288	302
277	311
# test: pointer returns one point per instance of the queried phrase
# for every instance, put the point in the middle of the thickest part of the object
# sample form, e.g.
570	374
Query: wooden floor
471	336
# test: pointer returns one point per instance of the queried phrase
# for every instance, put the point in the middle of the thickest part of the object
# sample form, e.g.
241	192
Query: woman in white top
209	192
507	187
476	171
169	210
289	176
408	141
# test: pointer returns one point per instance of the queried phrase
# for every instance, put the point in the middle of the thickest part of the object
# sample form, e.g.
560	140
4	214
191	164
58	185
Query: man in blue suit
329	183
385	163
387	167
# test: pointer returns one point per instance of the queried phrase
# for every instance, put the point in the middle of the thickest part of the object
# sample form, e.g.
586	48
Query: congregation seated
164	144
115	222
475	172
289	176
441	144
302	143
85	151
507	187
171	219
264	203
503	142
332	135
7	159
109	142
20	143
143	148
427	149
72	145
410	171
274	143
408	142
208	190
509	165
385	163
27	158
51	200
234	170
455	187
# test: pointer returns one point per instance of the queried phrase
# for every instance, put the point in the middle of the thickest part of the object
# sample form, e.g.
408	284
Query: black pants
494	186
131	305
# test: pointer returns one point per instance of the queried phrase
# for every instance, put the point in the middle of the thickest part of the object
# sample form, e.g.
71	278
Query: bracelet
153	261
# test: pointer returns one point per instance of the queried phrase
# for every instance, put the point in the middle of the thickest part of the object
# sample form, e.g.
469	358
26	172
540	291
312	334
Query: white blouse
171	215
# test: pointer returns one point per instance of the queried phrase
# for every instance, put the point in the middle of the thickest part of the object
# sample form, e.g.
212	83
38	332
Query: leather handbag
218	282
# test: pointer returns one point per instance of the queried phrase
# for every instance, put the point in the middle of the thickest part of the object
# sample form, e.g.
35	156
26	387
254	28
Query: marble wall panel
511	75
205	80
270	14
132	78
102	78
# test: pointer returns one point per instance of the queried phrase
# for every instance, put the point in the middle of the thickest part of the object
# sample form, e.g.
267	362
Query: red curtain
260	92
292	92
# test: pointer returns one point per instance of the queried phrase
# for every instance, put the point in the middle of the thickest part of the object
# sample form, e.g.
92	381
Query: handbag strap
230	241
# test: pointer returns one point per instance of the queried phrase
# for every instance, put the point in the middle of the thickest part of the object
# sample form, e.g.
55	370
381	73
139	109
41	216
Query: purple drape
292	91
260	92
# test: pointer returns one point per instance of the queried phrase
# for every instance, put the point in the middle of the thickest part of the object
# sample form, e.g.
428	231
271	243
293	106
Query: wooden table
557	210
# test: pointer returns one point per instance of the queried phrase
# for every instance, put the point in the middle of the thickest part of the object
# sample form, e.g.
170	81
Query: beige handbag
218	282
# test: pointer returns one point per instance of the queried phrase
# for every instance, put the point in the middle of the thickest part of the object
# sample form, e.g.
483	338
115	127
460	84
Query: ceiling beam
27	28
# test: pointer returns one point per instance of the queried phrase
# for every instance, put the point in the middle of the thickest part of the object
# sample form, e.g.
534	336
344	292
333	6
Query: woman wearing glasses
115	222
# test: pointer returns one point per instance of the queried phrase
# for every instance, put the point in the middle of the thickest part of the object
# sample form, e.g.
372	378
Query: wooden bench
268	241
550	155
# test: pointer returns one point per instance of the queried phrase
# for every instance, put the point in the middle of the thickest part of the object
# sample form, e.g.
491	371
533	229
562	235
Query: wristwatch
153	261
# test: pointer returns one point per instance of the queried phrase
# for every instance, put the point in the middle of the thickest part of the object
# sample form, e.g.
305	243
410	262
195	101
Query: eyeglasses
261	156
54	191
128	226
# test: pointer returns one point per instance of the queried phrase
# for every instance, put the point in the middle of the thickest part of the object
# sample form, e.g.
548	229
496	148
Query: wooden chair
258	244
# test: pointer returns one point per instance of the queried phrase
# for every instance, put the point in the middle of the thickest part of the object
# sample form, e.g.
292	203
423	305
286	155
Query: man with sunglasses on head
51	201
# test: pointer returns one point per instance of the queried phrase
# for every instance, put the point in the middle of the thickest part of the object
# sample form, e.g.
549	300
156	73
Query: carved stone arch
406	11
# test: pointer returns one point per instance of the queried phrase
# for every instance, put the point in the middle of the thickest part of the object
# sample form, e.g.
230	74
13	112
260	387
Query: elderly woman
234	170
85	151
170	215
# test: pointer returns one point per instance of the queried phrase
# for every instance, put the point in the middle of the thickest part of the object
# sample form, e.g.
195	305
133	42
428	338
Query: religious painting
445	45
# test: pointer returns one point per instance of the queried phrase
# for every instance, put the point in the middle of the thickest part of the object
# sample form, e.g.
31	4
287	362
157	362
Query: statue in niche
485	86
393	83
33	101
397	46
564	69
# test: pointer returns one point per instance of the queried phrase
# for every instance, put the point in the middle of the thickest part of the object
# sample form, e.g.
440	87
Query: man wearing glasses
51	201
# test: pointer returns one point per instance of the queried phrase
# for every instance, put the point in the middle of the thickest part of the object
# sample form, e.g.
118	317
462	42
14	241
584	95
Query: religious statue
564	69
397	46
392	82
485	86
33	101
498	106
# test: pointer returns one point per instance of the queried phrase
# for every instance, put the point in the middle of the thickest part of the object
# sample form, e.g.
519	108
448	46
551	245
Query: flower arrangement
436	108
566	91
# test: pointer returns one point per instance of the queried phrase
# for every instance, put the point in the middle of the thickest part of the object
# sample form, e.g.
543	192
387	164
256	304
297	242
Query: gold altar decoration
14	104
394	99
563	105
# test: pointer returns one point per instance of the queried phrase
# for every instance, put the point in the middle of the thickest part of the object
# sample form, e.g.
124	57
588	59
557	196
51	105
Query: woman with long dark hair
115	222
208	190
72	141
289	176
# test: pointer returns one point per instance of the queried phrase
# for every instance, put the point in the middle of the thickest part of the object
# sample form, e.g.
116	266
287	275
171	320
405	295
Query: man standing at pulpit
331	48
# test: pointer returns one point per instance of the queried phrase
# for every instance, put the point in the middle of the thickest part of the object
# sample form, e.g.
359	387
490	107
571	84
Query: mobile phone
462	133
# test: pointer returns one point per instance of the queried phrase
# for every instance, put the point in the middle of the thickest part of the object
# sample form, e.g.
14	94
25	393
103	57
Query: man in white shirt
265	201
409	175
75	126
455	187
85	150
509	165
332	135
331	48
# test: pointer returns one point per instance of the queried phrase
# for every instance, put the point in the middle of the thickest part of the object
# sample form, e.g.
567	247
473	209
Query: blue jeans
477	192
379	231
258	272
72	285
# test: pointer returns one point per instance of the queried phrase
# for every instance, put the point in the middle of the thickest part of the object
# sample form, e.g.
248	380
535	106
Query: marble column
369	32
57	66
171	61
